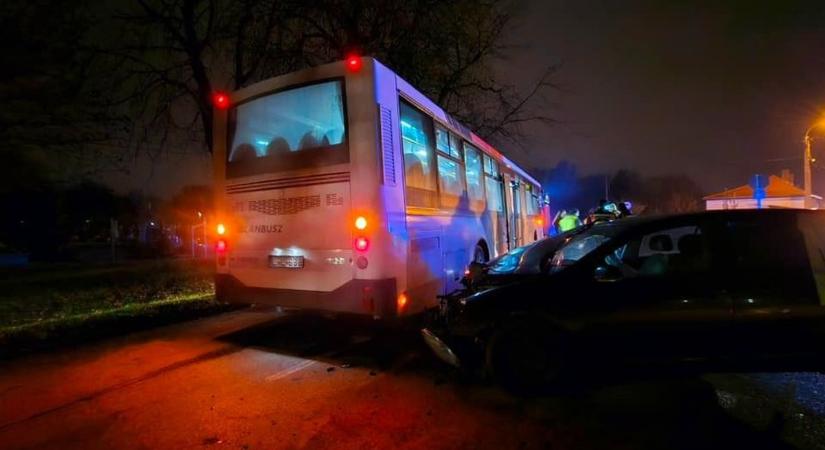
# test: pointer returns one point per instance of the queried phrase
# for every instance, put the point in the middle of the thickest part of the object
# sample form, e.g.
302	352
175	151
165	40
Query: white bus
342	188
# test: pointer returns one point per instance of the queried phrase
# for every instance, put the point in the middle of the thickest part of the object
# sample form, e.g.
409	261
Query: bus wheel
479	254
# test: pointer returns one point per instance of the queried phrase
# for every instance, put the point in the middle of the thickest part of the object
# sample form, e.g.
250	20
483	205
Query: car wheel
479	254
526	357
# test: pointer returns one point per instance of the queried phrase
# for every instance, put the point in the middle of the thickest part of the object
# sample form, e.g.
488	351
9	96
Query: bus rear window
297	128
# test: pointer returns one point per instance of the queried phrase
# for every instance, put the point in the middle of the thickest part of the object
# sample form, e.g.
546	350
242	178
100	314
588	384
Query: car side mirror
606	273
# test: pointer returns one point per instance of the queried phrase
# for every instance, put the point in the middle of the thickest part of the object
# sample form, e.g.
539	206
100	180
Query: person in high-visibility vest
570	221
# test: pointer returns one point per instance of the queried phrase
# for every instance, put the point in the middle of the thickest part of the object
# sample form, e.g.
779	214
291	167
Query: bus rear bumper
368	297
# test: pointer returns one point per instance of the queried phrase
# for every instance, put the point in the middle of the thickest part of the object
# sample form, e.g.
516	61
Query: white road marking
290	370
304	364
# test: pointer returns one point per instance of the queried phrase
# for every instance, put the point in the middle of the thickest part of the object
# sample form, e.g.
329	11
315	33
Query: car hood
515	291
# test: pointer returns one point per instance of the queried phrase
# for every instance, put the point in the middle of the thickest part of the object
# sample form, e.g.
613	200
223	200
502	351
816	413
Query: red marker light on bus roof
353	63
362	244
220	100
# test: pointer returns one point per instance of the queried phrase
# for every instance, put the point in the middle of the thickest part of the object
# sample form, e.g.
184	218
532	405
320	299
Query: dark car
741	289
521	262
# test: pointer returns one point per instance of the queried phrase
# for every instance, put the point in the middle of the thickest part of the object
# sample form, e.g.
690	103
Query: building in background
779	192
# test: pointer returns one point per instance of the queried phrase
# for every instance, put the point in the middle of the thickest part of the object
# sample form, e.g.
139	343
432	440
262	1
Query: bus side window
447	143
492	183
442	139
455	147
419	167
474	170
532	203
450	171
451	183
494	201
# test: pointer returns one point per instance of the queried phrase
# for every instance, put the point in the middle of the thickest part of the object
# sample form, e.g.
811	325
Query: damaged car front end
452	337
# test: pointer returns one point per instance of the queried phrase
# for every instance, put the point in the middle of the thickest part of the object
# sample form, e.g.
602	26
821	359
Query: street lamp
808	158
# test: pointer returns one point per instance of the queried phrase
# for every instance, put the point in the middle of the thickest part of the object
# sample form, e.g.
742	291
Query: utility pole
808	158
607	187
806	168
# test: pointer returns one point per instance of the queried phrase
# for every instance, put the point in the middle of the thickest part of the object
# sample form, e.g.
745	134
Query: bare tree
53	107
445	48
173	54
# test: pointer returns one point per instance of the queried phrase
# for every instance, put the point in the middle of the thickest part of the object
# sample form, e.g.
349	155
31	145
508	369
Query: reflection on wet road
253	379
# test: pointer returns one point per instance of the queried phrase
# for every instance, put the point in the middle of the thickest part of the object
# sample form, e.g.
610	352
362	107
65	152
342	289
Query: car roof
621	226
732	213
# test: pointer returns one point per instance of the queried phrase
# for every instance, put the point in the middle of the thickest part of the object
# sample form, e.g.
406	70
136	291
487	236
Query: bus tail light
361	223
220	229
401	302
220	100
362	244
220	250
353	63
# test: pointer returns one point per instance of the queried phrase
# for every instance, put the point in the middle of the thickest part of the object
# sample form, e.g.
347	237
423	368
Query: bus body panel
285	221
414	254
321	230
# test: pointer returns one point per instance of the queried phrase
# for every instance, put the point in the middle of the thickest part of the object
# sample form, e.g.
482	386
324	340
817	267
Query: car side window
674	251
767	261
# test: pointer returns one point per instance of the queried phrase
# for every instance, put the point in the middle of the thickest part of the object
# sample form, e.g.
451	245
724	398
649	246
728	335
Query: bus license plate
287	262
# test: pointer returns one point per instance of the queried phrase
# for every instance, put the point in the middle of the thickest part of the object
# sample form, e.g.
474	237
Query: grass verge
75	329
64	307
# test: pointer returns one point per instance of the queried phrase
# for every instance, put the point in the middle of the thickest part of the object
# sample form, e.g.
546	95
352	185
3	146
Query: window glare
451	181
473	163
302	118
494	201
442	139
455	147
418	157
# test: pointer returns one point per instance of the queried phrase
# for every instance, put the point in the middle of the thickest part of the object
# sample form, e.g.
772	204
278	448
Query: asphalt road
257	380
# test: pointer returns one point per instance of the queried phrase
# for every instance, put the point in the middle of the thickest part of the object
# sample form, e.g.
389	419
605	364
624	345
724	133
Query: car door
658	295
778	315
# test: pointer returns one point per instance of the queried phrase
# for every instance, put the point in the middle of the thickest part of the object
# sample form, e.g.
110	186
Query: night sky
714	89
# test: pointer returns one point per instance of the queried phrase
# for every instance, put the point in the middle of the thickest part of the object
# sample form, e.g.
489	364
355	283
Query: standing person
560	215
624	211
605	212
629	206
570	221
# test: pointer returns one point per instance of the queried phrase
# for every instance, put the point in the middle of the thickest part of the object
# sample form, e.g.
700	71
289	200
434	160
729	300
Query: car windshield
583	244
508	262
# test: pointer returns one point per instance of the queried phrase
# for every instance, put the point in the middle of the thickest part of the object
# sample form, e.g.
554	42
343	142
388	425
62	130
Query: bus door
515	216
497	211
506	210
502	226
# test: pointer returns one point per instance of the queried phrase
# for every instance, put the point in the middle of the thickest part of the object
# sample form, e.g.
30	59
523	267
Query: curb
59	333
